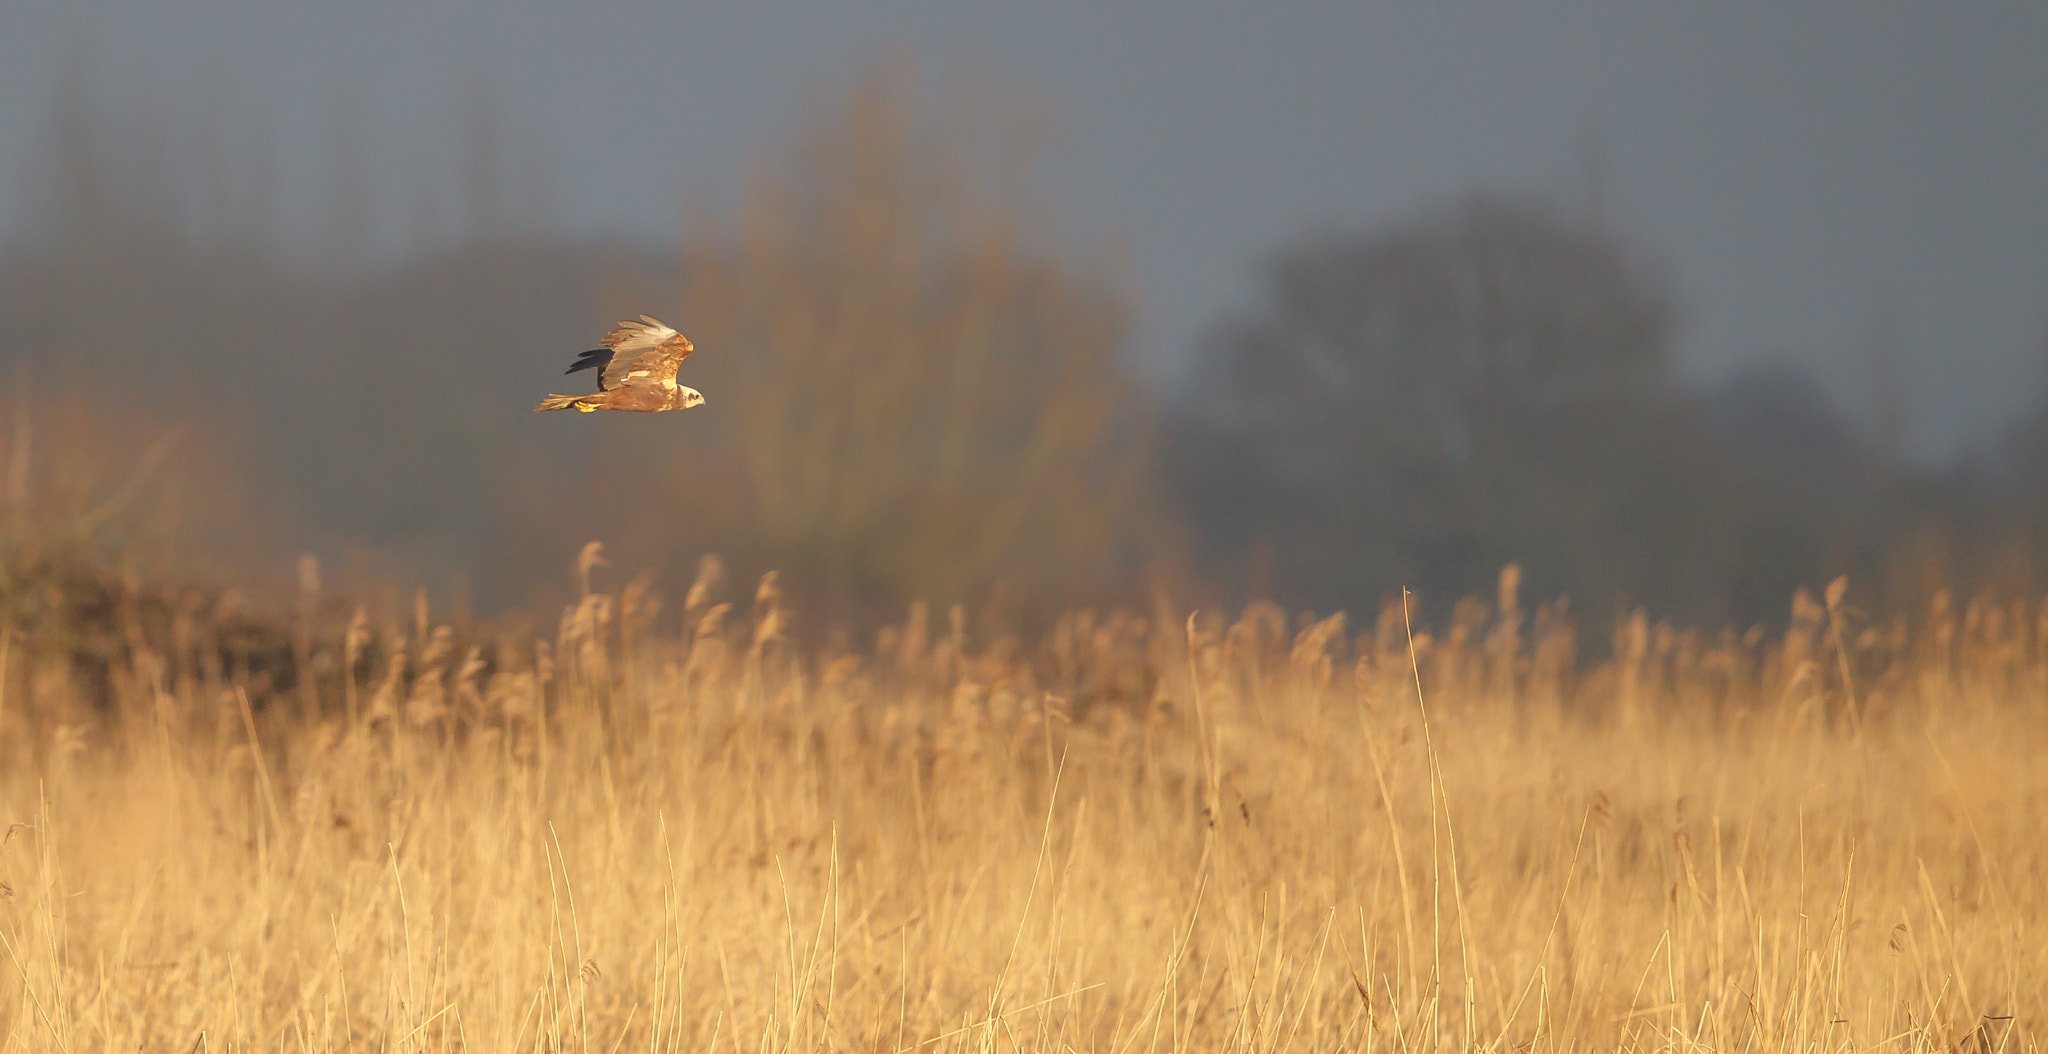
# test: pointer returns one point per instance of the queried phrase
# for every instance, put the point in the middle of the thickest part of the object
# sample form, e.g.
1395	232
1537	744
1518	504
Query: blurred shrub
109	520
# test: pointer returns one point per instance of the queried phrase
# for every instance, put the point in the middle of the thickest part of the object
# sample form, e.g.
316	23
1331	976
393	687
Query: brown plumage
636	370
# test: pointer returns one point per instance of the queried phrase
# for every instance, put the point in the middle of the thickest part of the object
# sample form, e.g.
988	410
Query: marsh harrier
636	370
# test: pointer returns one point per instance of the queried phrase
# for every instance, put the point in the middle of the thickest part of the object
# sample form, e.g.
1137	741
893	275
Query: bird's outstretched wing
644	353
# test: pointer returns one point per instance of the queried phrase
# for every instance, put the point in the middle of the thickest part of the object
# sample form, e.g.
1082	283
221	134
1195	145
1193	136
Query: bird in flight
636	370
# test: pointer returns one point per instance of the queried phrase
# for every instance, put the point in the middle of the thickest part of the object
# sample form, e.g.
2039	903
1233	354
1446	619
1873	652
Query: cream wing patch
645	352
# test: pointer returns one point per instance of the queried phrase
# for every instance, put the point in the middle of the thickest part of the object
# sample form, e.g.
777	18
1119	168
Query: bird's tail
584	403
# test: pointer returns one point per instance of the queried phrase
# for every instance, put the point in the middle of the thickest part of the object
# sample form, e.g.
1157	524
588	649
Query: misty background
1684	309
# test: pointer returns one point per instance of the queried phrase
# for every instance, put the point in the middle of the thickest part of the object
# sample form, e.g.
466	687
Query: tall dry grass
1140	834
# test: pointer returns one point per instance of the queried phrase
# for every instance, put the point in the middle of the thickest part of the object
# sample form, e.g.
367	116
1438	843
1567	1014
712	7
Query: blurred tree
1417	405
2018	466
1436	327
906	397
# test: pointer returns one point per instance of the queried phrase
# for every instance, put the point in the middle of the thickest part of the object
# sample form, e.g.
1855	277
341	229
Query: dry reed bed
1142	834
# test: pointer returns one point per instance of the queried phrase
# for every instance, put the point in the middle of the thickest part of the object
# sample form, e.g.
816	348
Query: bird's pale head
688	397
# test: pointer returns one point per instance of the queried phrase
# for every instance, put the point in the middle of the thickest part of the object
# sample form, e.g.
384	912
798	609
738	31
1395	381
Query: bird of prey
636	370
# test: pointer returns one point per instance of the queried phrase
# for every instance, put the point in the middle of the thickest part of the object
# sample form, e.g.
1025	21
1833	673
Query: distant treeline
910	394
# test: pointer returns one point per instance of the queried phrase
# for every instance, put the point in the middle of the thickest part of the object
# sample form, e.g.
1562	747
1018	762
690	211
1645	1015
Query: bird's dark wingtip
589	359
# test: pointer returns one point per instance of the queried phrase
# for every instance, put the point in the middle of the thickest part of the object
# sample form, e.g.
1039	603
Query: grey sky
1797	165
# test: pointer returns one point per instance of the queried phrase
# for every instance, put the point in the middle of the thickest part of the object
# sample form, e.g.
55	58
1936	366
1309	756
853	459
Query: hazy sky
1804	169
